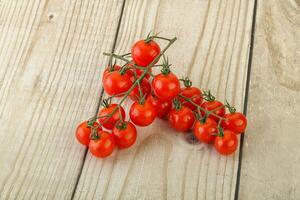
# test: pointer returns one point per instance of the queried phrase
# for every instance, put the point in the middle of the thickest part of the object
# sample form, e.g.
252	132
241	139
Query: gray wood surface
271	154
50	78
212	49
50	60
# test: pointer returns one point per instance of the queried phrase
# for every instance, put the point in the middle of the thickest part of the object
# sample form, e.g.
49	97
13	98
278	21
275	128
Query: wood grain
212	49
49	81
271	155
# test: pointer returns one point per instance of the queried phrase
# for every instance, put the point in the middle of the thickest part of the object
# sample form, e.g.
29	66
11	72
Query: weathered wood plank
212	48
49	81
271	155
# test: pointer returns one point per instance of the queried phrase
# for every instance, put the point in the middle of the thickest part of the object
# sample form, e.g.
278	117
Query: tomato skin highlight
162	107
103	146
226	144
83	133
166	87
194	94
182	119
236	122
211	105
110	123
115	83
142	114
143	53
145	87
205	132
126	137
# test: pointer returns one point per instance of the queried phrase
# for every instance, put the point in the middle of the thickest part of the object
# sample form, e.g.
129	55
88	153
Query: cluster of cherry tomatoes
186	107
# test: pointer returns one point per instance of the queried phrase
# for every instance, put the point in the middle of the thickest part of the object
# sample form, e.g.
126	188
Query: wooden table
50	69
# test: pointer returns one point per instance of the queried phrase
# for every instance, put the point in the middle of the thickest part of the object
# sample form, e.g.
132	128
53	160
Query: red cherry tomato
236	122
103	146
116	68
166	87
212	105
115	83
194	94
142	114
144	53
162	107
181	119
205	132
83	132
226	144
145	87
124	134
110	123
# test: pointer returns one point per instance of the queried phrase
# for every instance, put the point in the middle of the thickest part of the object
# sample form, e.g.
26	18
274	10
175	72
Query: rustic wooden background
50	69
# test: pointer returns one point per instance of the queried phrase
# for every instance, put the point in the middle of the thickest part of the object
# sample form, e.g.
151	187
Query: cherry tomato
166	87
115	83
124	134
103	146
162	107
236	122
145	87
181	119
226	144
83	132
143	53
142	114
212	105
116	68
194	94
110	123
205	132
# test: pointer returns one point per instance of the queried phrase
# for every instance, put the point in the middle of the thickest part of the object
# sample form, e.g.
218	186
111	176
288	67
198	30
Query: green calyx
106	102
112	64
230	108
187	82
123	69
220	132
94	134
90	123
149	37
121	125
208	96
165	66
199	117
177	104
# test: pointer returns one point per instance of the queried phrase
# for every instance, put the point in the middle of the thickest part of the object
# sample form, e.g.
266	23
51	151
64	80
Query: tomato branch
137	81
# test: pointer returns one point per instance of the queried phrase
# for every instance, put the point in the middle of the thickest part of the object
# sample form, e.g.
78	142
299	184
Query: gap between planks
100	97
238	177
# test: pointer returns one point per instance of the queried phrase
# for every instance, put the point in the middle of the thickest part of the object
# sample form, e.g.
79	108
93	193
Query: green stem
140	90
212	111
116	95
150	73
199	107
162	38
117	56
126	54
